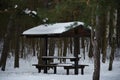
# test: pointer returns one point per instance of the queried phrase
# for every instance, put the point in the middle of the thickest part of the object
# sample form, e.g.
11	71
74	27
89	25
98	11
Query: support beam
76	50
46	47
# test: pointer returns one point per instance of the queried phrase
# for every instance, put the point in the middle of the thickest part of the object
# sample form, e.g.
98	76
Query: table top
59	57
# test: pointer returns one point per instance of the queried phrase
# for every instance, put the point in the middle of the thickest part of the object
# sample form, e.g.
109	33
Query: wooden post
46	47
76	49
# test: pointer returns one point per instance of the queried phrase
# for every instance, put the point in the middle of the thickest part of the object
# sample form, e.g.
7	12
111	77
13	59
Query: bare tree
7	39
112	37
118	26
96	54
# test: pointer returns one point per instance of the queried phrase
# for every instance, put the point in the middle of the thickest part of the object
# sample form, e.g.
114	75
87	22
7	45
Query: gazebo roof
58	29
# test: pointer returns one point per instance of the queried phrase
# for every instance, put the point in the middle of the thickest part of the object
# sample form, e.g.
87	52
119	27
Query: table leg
67	71
55	70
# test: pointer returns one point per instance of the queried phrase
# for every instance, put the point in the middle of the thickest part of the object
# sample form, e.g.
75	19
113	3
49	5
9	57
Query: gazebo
74	29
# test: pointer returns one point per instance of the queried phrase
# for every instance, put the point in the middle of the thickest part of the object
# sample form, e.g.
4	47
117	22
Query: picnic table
66	66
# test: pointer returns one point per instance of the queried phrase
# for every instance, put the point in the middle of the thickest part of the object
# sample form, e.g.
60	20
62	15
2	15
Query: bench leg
45	70
67	71
82	71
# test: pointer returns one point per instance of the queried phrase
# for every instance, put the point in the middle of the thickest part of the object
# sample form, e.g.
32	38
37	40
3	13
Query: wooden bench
41	66
73	67
54	66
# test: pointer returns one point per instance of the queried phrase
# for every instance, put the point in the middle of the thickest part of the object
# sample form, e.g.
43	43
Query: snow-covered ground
29	72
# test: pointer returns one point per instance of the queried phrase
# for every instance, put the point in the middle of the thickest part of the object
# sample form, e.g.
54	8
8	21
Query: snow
56	28
30	12
27	11
45	20
34	12
16	6
29	72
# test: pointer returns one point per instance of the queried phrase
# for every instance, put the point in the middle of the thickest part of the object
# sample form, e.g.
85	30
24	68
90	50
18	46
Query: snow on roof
56	28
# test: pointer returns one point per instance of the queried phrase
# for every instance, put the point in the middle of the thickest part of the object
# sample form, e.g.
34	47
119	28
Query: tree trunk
16	63
96	51
42	51
60	49
17	38
90	54
96	74
96	54
22	47
118	27
7	43
112	54
112	37
104	23
65	41
71	45
83	46
33	46
51	48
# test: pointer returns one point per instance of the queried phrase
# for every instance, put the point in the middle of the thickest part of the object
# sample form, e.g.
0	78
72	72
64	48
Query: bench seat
65	66
73	67
42	66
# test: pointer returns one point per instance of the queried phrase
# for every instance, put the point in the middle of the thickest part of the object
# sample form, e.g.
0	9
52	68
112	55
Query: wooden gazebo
67	29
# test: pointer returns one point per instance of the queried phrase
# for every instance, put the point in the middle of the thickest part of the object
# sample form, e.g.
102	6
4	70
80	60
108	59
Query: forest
16	16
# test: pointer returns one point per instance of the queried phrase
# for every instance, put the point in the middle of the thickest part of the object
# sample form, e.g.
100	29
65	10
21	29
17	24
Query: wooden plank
58	57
